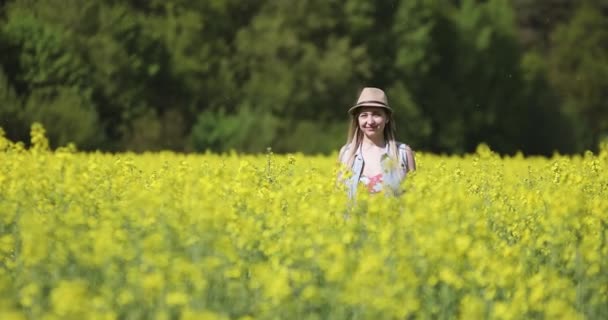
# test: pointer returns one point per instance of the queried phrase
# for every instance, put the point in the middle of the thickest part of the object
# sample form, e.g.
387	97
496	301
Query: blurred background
221	75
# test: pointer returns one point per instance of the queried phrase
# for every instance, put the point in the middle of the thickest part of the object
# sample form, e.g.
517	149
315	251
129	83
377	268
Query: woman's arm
341	154
341	168
407	158
411	161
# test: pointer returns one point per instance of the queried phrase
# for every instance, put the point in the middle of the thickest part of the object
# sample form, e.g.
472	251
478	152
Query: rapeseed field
204	236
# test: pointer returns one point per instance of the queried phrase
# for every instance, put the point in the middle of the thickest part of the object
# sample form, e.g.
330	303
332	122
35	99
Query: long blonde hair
354	137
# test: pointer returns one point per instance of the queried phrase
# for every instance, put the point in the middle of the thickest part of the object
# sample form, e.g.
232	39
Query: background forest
222	75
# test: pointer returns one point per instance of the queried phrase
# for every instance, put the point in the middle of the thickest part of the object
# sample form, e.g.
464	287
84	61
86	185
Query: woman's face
372	121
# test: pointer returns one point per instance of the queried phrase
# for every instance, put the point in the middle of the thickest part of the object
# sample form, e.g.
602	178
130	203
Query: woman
372	154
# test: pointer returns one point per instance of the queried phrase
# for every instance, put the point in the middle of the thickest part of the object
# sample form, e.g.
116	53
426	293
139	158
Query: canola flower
174	236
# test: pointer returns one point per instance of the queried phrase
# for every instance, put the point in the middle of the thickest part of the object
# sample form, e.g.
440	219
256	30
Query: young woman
372	154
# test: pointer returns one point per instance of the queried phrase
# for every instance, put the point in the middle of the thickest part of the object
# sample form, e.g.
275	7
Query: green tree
48	78
227	74
10	109
294	64
459	76
578	67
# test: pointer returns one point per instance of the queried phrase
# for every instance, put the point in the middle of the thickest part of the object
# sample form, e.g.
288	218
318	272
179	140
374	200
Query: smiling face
372	121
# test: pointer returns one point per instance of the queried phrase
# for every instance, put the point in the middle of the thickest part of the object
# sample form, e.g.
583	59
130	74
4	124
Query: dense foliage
247	75
174	236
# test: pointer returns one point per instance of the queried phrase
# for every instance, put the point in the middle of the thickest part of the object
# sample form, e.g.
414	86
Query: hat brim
369	104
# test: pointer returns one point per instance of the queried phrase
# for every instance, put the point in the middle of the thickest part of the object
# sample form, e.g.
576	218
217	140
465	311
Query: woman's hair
355	137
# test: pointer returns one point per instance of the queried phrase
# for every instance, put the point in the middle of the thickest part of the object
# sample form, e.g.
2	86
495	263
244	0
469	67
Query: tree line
522	75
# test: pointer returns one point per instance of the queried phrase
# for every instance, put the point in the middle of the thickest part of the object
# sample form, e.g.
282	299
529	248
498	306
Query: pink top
373	184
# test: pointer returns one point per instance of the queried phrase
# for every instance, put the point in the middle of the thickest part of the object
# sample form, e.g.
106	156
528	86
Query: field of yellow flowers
175	236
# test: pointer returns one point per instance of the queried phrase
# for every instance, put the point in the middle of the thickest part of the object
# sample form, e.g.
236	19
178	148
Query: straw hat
371	97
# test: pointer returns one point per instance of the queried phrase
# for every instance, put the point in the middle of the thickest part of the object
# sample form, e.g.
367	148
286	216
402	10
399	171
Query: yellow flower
12	315
162	235
70	298
472	307
177	299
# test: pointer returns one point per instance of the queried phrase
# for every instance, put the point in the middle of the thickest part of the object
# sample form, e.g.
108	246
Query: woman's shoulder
343	151
345	148
407	156
349	145
403	146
